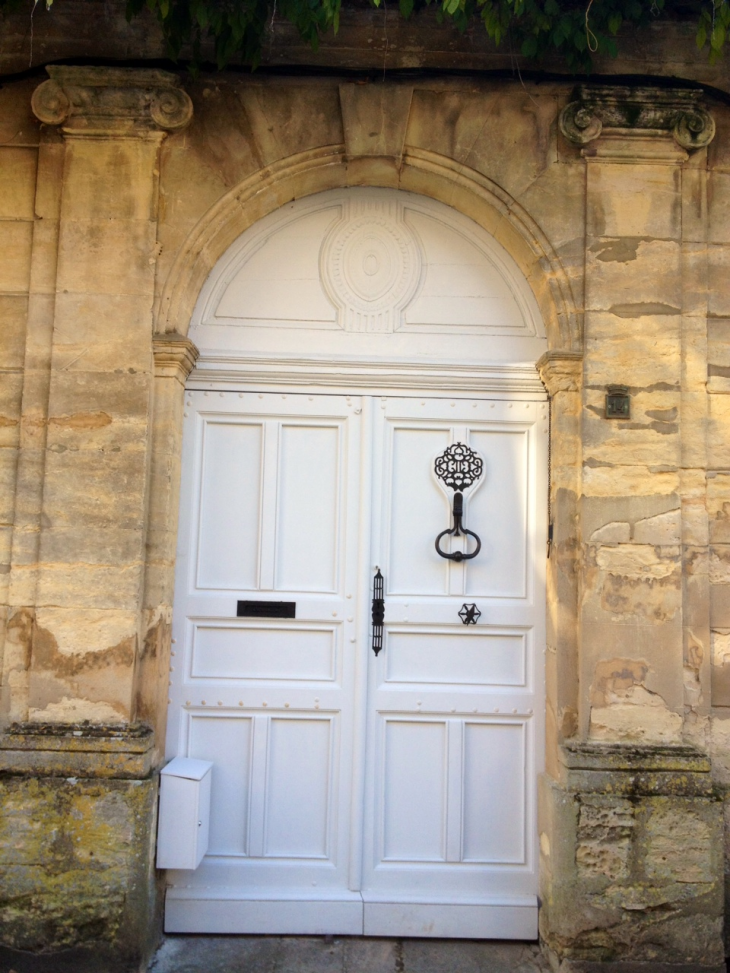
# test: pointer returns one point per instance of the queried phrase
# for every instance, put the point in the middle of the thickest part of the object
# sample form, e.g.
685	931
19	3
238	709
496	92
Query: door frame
518	382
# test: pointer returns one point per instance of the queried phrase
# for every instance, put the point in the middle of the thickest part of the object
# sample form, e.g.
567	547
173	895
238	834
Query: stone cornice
99	102
78	750
627	114
561	371
175	356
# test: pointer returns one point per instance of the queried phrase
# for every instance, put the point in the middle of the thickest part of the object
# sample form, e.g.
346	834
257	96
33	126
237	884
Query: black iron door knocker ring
460	469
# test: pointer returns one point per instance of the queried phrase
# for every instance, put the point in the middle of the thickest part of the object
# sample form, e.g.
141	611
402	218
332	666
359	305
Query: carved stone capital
175	356
96	102
638	113
561	371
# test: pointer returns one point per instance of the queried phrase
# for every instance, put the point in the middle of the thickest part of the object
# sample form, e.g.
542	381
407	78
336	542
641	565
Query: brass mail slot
266	609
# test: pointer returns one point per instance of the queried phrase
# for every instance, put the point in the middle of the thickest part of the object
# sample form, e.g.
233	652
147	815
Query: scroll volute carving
674	112
112	102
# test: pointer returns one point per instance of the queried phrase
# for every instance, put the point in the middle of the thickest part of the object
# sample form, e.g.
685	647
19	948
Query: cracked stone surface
343	954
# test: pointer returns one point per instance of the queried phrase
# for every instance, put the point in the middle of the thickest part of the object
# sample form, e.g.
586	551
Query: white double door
388	795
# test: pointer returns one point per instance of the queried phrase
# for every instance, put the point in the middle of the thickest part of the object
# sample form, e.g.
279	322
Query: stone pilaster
631	846
174	359
79	784
88	612
637	143
562	374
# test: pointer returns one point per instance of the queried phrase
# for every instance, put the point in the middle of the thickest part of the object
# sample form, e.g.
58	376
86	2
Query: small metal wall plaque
618	402
266	609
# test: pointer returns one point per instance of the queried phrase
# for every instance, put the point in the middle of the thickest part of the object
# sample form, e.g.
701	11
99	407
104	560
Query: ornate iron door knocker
460	469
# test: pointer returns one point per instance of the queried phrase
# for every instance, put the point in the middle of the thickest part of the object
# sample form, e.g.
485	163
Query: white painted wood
230	740
458	920
319	278
345	341
462	823
298	787
221	369
270	701
478	657
243	911
445	824
251	651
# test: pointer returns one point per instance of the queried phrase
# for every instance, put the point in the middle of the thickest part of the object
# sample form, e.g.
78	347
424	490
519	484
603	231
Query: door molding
234	371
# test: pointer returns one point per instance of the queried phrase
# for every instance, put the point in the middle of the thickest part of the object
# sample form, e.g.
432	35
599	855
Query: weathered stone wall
632	859
615	203
77	836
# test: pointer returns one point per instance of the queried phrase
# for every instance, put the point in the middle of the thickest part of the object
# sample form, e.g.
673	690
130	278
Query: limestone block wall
18	177
119	191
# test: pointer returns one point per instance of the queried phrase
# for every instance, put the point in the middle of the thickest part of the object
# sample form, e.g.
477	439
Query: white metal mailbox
184	819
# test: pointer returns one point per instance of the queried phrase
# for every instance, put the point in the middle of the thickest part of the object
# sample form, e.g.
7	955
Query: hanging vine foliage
574	30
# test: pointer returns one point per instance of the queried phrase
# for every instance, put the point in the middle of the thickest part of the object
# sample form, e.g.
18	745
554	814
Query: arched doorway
348	341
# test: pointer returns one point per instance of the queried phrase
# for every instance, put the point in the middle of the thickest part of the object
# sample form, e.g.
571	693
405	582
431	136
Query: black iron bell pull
378	614
459	468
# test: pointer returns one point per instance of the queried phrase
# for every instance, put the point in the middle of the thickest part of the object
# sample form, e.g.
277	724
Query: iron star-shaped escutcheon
469	614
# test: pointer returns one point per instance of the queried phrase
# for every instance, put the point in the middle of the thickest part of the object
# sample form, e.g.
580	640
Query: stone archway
425	173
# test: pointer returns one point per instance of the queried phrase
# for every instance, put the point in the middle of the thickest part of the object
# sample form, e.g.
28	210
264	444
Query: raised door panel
474	657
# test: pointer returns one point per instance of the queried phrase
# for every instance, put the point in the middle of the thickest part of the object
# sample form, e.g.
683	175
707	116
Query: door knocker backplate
459	468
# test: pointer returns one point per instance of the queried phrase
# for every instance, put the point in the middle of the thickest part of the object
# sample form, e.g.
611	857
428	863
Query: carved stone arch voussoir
425	173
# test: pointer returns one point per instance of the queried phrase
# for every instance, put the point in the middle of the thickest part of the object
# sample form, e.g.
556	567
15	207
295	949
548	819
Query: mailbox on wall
184	818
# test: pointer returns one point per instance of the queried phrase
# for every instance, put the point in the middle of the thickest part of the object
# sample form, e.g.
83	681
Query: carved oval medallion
371	267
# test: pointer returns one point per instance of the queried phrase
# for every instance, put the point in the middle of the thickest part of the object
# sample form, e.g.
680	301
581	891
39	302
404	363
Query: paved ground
317	954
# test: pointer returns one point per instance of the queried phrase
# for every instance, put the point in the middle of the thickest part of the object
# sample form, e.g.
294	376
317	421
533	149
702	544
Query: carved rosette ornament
644	112
112	102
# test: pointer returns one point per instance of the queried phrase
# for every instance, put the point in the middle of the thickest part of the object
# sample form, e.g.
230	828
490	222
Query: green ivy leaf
237	28
614	23
529	46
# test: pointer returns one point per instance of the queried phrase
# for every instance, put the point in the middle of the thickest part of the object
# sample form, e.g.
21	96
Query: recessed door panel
227	742
466	658
414	791
498	512
307	508
298	788
291	653
228	532
414	502
494	820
